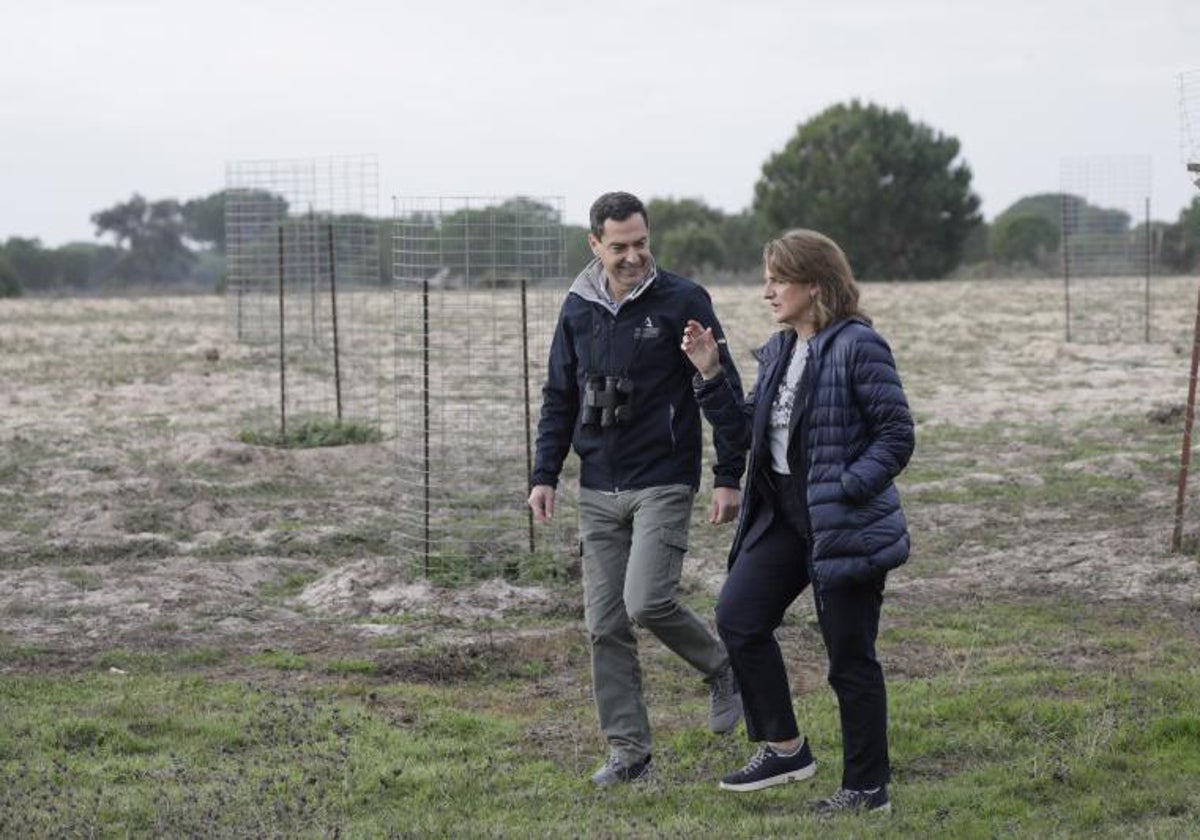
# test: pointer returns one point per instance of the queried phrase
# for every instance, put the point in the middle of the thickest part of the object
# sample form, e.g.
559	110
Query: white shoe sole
783	778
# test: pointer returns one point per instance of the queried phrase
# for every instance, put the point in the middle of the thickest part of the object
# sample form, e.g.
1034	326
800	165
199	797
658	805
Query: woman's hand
700	347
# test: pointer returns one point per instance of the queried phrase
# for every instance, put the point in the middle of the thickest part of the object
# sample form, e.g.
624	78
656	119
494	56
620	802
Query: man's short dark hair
617	206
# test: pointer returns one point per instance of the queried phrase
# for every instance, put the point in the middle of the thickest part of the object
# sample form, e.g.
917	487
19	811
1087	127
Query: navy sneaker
614	771
767	768
849	801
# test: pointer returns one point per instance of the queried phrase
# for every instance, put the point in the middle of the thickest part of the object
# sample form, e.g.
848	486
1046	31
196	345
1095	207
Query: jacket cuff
727	481
542	478
702	386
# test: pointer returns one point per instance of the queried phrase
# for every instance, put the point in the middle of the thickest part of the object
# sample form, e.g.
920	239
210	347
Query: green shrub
10	286
311	432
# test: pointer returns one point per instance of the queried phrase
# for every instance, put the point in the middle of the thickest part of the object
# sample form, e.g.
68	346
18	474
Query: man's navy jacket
660	441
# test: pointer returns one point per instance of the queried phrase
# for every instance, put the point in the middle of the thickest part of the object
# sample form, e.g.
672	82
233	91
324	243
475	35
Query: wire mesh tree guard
304	285
477	283
1106	248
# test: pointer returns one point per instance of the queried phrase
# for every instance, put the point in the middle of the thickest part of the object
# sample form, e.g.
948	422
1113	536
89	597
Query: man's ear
594	244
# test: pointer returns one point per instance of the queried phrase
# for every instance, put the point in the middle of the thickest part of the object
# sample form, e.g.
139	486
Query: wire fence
1189	122
305	289
1107	248
477	287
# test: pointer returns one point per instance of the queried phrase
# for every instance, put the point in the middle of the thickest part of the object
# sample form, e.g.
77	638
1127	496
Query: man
620	389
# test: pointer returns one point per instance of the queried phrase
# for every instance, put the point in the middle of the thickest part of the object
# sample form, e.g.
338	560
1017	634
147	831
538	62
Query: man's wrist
702	383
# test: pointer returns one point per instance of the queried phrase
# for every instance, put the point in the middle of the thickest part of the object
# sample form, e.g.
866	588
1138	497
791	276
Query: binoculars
607	401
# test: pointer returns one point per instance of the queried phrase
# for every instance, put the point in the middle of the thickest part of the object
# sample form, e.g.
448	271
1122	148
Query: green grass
314	431
84	579
91	553
291	584
1027	718
281	660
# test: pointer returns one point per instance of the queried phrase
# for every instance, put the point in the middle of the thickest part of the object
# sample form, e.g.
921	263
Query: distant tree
384	231
688	235
76	266
575	246
1179	242
894	193
1048	206
1080	215
743	236
1189	221
204	221
690	248
667	214
32	264
975	247
255	215
10	285
493	246
153	232
85	265
1022	238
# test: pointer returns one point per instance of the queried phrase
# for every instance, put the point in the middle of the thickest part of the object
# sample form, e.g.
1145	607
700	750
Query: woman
829	430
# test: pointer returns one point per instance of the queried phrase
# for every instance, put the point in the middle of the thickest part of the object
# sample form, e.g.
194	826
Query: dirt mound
381	587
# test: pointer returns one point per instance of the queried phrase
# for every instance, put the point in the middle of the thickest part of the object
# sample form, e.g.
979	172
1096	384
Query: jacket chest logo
646	330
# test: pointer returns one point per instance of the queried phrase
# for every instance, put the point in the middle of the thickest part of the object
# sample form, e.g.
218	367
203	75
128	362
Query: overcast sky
103	98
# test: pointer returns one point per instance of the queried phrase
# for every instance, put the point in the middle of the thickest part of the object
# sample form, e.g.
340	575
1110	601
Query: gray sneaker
614	771
725	702
851	801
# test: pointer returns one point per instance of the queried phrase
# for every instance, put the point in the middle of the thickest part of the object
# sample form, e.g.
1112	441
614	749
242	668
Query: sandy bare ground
131	517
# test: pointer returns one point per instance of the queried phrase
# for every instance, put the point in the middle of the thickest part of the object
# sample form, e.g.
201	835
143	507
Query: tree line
894	192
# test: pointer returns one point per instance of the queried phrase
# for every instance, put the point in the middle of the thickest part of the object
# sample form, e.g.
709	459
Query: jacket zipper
608	437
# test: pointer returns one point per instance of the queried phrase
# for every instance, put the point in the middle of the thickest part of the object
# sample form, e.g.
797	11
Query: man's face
624	250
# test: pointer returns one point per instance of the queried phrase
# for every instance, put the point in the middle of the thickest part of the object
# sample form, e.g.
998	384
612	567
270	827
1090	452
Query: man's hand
726	503
541	500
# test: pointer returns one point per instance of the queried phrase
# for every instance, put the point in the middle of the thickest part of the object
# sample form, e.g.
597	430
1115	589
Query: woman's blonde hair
805	256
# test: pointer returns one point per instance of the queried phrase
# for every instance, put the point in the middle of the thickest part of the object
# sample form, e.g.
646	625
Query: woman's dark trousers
766	578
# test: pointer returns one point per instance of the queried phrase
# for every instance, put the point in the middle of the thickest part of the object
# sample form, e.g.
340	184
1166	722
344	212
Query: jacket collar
592	286
782	341
825	337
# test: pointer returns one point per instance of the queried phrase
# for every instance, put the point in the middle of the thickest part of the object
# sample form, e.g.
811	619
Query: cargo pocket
676	538
674	546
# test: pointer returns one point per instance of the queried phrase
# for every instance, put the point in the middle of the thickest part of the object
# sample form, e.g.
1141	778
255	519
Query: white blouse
781	408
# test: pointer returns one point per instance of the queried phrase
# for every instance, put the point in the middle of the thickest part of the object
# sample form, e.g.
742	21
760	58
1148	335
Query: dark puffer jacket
857	433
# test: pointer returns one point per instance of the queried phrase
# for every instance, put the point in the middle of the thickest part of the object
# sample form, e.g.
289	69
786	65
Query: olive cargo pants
633	544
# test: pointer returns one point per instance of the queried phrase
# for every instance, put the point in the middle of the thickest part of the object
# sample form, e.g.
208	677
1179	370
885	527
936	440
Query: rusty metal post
1189	416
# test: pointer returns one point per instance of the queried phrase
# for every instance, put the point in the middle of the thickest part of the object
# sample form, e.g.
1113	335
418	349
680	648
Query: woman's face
791	303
